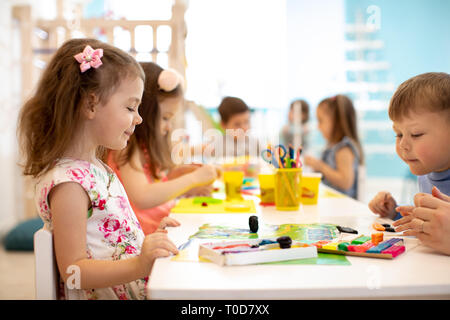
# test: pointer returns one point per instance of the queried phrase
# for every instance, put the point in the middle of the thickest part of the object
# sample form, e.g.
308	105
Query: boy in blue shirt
420	111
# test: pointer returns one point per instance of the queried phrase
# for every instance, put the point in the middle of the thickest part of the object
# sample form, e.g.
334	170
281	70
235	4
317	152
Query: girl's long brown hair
48	120
147	136
343	116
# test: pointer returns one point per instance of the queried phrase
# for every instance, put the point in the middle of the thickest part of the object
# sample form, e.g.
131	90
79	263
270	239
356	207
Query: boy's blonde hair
48	120
424	92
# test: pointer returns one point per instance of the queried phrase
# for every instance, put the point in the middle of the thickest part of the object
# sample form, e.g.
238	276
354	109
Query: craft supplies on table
363	246
310	187
233	182
282	157
287	189
383	227
254	251
267	188
212	205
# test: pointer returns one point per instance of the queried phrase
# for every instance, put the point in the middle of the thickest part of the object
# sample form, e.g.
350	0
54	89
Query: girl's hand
429	221
206	174
155	245
202	191
383	204
314	163
181	170
167	222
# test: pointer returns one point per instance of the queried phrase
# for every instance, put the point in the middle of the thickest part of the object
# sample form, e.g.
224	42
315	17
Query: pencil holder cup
267	188
233	183
288	188
310	187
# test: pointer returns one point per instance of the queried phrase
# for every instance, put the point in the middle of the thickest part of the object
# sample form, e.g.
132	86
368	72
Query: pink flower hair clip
169	79
89	58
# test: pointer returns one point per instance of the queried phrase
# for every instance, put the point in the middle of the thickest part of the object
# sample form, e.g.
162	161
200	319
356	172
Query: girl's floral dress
149	218
113	232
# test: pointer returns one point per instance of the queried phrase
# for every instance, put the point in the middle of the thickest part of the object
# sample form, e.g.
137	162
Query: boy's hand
438	194
383	204
155	245
407	210
429	221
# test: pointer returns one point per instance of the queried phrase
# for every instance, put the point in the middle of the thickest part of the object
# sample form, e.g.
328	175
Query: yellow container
267	187
233	183
310	187
288	188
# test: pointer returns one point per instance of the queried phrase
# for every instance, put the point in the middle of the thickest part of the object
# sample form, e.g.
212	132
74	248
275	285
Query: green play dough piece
208	200
361	240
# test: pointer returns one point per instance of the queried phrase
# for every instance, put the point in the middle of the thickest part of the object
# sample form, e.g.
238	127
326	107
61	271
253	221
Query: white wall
315	48
237	48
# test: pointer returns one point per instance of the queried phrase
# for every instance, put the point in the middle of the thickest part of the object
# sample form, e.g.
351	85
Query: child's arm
178	171
341	177
69	204
384	204
148	195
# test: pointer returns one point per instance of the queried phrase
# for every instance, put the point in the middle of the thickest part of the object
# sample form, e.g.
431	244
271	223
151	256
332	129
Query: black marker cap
253	224
285	242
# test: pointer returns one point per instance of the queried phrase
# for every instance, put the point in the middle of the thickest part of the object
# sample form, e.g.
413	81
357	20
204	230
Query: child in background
288	130
235	121
420	111
141	166
336	118
88	100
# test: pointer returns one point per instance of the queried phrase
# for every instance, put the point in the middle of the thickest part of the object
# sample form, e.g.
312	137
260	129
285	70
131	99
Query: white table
420	272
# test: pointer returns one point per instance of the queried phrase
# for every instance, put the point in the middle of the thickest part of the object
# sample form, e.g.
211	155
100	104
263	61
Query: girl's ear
90	106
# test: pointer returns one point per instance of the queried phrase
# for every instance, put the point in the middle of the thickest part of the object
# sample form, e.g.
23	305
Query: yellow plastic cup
288	188
310	187
267	187
233	183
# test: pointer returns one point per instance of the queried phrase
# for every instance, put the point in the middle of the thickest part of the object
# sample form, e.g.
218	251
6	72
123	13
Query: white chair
361	192
46	270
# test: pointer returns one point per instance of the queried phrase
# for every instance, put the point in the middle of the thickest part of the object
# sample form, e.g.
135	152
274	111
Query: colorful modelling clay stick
383	227
361	240
378	227
360	248
320	243
377	238
330	246
266	241
394	250
343	246
231	246
384	245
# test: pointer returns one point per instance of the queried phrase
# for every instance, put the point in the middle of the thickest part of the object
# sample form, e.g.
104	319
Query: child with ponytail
86	101
145	167
339	163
